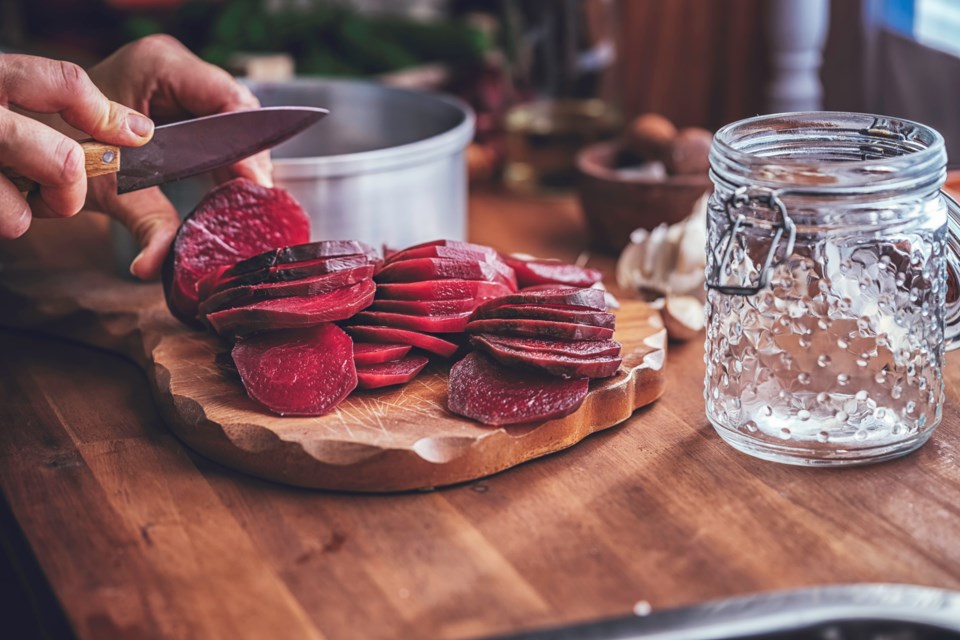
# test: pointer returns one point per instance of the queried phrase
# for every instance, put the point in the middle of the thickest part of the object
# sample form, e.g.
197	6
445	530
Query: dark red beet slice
475	252
236	220
426	307
453	244
534	272
592	298
558	313
301	372
571	367
424	341
496	395
288	272
386	374
540	329
208	283
442	290
421	269
311	286
297	311
611	300
452	323
374	353
302	253
570	348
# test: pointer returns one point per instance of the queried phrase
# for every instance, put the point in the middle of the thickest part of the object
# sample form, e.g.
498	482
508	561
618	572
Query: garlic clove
683	317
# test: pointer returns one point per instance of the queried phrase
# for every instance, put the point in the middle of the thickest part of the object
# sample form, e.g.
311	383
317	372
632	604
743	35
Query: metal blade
184	149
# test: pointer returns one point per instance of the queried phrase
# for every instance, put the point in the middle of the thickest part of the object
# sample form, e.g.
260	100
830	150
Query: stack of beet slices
426	293
279	306
539	351
234	221
310	322
289	288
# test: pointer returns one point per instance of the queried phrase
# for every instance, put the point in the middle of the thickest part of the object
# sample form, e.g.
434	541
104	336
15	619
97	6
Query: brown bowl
615	204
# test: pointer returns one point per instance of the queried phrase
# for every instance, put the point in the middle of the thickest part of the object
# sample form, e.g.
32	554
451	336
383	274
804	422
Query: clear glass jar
827	264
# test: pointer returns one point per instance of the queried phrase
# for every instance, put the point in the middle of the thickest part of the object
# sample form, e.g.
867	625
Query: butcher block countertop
114	529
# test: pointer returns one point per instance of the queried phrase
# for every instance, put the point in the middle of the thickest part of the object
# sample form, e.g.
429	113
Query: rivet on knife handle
99	159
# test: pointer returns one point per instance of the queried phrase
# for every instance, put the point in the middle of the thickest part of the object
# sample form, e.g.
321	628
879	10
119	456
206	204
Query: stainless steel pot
387	166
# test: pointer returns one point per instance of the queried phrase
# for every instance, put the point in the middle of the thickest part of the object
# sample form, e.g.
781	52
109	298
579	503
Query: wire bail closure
741	198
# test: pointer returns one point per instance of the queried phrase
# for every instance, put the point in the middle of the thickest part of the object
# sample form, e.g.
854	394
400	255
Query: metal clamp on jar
828	252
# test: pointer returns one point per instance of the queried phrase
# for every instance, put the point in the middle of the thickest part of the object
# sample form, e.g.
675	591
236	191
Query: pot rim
449	142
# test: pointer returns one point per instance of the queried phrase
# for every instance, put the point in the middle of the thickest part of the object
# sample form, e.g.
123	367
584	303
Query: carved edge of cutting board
101	310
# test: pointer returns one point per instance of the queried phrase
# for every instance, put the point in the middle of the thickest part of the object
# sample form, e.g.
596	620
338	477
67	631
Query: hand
162	78
45	155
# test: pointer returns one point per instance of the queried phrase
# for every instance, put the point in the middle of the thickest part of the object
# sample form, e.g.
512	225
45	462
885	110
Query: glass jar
827	288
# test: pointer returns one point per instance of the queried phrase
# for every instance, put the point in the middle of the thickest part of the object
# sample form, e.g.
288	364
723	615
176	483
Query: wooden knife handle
99	159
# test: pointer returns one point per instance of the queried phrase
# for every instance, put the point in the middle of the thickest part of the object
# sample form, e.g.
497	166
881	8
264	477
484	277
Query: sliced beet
592	298
299	372
474	252
451	323
611	300
425	341
209	283
374	353
535	272
558	313
540	329
426	307
234	221
302	253
442	290
571	367
421	269
310	286
293	312
483	390
386	374
288	272
452	244
570	348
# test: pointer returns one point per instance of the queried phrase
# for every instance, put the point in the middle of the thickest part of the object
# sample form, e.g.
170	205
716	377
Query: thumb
153	222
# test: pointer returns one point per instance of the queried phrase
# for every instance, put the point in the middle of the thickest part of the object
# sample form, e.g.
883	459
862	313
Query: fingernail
23	222
133	266
140	125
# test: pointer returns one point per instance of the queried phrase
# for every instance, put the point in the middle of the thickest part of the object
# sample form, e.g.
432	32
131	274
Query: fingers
153	221
160	76
257	168
205	89
45	156
53	86
14	212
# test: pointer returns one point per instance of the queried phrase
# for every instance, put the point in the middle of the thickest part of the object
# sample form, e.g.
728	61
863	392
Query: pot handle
951	313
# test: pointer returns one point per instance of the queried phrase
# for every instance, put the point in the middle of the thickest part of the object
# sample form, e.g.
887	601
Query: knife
866	610
182	149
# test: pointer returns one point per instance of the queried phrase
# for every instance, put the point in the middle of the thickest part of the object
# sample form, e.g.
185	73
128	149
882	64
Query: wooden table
110	520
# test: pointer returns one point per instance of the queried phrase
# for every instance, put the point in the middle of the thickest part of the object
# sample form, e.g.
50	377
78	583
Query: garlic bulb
669	260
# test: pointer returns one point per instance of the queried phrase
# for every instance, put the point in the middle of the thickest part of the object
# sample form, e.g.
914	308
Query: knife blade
182	149
931	613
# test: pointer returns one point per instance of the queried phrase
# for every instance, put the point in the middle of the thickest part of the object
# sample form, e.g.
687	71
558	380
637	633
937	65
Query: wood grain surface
394	439
140	538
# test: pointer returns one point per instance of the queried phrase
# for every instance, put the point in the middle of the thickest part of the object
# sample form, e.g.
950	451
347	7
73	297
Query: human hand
46	156
163	79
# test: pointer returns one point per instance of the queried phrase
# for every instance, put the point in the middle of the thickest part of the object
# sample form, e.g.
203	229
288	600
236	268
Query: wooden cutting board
383	440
